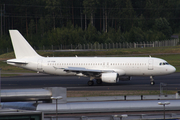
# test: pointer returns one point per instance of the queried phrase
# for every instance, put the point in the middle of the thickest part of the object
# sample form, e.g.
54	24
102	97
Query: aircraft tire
90	83
98	81
152	83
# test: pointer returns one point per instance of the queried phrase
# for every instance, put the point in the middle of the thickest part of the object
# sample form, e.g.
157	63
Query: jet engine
109	77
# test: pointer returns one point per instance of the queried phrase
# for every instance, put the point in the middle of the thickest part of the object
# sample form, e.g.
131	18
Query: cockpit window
164	63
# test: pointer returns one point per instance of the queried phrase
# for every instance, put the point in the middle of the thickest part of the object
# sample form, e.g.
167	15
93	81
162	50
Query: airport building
52	104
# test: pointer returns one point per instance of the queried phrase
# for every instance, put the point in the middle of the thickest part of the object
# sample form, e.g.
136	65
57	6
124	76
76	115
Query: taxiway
76	83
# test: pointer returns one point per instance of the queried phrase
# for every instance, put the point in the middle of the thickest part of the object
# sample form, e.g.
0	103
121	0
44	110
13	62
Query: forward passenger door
150	64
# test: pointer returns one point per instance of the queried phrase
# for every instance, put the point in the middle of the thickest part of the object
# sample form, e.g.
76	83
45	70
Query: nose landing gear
152	81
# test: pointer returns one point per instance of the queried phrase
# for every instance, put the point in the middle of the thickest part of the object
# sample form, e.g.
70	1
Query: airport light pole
0	88
56	98
161	88
164	104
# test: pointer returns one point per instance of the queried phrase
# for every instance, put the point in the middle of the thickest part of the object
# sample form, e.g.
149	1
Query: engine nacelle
125	78
109	77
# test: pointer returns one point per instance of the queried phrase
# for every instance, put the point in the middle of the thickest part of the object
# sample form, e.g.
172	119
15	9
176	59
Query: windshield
164	63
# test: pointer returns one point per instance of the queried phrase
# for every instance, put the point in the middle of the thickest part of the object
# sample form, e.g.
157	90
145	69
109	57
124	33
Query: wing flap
84	70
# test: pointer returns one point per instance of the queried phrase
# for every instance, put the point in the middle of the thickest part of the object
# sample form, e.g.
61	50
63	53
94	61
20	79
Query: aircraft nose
172	69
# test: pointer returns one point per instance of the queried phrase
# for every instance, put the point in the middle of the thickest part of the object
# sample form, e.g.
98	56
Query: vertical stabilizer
21	47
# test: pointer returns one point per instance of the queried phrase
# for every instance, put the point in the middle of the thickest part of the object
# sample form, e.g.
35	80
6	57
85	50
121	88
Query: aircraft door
150	64
39	66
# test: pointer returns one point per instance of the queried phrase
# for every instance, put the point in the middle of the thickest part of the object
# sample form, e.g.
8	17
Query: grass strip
116	93
9	75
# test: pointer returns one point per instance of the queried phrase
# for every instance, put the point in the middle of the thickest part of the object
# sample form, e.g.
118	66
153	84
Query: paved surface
76	83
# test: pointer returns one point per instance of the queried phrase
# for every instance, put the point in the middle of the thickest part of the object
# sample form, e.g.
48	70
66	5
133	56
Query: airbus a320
101	69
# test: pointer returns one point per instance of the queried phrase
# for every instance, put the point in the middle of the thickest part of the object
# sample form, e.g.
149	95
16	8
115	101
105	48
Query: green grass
9	75
117	93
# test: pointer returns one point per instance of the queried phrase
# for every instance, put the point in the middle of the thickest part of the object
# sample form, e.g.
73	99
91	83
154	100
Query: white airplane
102	69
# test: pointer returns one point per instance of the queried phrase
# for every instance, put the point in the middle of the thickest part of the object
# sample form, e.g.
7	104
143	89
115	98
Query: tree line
55	22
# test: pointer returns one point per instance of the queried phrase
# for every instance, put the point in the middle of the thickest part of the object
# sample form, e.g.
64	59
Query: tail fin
21	47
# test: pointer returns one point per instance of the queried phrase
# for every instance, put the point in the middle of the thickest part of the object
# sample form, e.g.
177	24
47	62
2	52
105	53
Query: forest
55	22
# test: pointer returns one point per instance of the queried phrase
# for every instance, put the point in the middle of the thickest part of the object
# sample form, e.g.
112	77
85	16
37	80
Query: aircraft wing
88	72
80	69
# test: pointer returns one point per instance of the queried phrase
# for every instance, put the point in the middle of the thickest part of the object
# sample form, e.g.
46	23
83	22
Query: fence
97	46
172	42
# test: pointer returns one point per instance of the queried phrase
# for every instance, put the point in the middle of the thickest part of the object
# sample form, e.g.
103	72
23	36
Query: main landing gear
91	82
152	80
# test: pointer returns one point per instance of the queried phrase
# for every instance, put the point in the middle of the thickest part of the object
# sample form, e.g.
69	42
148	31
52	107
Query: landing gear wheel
152	80
152	83
90	83
98	81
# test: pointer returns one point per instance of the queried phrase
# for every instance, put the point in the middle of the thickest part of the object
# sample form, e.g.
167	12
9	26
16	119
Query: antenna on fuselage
150	56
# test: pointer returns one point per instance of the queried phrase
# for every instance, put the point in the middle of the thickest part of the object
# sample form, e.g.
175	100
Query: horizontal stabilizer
16	61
